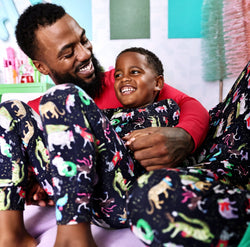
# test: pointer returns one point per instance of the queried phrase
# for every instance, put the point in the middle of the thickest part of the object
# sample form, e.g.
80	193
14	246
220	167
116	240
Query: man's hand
160	147
36	195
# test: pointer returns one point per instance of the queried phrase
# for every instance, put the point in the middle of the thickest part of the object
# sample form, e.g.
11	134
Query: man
59	48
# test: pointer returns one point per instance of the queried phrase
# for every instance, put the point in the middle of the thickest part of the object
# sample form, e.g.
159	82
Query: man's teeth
84	68
127	89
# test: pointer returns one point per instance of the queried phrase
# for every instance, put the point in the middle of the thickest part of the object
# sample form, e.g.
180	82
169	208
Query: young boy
138	81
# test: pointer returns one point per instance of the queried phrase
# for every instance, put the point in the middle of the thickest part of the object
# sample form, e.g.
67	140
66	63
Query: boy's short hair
152	59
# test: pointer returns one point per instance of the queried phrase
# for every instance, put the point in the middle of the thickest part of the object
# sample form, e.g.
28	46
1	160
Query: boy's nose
125	78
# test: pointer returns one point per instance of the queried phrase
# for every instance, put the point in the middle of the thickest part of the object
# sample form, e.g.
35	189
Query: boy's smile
136	83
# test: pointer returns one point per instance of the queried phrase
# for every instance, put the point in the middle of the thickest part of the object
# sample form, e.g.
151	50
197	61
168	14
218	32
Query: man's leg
187	207
207	204
13	232
19	134
226	149
92	170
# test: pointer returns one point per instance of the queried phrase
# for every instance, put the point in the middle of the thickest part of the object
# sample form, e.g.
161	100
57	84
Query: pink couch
41	223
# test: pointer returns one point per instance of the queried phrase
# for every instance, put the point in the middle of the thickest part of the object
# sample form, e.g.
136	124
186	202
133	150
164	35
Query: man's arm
194	118
34	104
160	147
163	147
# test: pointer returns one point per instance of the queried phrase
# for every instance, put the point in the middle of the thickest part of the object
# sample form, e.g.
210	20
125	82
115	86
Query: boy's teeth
127	89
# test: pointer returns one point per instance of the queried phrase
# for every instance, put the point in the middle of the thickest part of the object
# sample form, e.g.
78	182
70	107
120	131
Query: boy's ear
159	83
41	67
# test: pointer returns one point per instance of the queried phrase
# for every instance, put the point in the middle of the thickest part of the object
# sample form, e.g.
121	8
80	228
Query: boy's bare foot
13	232
78	235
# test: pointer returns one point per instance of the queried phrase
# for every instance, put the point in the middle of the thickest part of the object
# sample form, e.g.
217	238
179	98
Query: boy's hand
160	147
36	195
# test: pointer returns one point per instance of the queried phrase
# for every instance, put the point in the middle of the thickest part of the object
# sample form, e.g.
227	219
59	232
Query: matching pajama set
93	177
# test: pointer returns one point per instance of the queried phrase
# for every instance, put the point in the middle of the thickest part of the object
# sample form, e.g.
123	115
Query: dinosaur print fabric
22	150
206	201
203	202
91	167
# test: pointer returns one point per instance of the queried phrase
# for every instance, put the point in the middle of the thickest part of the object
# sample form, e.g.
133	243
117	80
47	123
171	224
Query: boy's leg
92	170
19	134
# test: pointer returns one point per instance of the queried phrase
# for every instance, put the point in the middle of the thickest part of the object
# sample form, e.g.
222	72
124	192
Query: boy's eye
135	71
117	75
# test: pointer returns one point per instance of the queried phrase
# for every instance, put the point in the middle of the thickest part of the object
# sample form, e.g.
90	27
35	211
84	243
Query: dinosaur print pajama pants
92	176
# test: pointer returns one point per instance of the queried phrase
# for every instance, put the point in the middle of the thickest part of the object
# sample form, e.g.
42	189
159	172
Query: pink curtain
236	19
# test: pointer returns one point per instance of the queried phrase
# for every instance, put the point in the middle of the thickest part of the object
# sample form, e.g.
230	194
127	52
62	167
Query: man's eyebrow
65	47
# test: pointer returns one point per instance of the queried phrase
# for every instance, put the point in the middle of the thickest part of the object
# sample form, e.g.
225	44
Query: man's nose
83	52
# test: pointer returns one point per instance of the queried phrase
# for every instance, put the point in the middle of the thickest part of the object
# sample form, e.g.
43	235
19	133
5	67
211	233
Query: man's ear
41	67
159	83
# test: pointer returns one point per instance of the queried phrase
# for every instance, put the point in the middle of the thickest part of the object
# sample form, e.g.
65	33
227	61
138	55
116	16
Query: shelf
24	88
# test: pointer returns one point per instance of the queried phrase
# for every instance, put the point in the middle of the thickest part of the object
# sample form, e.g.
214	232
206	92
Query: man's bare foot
78	235
21	241
13	232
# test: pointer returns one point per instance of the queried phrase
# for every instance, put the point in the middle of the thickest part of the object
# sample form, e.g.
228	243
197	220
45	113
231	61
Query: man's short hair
34	17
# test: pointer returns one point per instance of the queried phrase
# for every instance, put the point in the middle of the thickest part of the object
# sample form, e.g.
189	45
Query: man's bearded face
92	88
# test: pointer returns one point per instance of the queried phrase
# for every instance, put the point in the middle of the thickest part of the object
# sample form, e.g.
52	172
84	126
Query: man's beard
93	89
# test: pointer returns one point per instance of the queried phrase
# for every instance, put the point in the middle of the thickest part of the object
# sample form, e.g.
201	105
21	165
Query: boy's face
135	81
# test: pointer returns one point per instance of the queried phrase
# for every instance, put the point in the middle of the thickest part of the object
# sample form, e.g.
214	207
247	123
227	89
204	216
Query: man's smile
86	70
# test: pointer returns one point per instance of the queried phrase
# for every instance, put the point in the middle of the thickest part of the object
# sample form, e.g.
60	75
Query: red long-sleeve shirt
194	118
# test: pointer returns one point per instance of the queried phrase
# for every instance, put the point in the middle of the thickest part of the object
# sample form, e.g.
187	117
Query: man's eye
69	55
84	41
